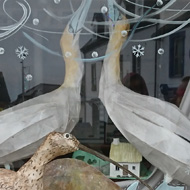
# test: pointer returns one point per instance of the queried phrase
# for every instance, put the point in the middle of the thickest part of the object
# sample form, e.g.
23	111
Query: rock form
73	174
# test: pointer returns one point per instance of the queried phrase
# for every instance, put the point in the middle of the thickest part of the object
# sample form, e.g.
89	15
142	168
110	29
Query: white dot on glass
36	21
161	51
29	77
2	51
124	33
104	9
94	54
57	1
159	3
71	30
68	54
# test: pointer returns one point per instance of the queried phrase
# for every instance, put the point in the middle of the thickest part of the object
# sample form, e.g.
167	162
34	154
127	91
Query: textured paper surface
24	126
153	126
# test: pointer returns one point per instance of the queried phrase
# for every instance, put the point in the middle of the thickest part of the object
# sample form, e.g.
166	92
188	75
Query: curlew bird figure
29	176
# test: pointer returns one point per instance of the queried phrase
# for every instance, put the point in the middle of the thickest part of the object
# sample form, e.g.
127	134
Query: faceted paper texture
24	126
156	128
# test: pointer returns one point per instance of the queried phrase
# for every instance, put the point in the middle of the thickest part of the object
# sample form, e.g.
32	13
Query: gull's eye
67	135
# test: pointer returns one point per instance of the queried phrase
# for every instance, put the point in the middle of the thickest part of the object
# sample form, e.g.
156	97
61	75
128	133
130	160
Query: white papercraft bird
156	128
23	127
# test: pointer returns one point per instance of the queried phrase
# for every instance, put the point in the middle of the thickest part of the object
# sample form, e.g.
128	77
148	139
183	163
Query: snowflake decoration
187	171
138	50
22	52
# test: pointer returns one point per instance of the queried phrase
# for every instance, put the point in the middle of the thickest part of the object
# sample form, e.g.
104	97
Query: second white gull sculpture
156	128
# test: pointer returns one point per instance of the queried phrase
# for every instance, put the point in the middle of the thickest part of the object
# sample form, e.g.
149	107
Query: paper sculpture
156	128
24	126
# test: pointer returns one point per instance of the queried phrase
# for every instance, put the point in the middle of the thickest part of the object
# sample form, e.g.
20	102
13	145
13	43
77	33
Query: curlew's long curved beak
103	157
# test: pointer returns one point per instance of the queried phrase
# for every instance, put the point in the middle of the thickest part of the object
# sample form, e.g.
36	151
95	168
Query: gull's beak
103	157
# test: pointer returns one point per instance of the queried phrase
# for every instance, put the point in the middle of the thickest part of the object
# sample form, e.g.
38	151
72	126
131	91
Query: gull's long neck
111	68
73	64
70	45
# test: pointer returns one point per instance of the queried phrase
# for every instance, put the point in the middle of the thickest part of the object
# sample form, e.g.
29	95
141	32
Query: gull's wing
159	112
26	126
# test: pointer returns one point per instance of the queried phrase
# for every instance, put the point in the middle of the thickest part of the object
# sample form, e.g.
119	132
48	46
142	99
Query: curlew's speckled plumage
29	176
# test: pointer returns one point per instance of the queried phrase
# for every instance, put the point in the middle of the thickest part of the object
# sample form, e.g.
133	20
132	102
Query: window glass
57	50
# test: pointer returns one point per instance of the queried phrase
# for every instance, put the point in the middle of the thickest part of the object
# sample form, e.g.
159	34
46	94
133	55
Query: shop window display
62	67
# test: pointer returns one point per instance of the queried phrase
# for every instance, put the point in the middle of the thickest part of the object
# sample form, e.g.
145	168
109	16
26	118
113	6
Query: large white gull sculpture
156	128
24	126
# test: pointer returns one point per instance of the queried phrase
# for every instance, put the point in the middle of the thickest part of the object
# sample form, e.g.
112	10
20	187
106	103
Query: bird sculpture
24	126
156	128
30	175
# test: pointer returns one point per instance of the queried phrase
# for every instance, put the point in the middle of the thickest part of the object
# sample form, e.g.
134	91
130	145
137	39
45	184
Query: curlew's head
61	143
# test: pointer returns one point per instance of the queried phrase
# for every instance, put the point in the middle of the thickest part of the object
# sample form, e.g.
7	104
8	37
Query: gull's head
62	143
